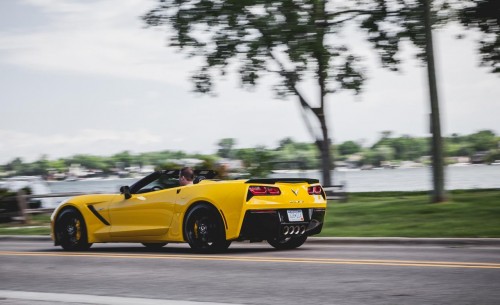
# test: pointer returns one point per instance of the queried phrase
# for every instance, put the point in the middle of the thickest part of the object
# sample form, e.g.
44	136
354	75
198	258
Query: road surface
35	272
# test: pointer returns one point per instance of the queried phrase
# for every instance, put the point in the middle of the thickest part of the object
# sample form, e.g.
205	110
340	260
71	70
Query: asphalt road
35	272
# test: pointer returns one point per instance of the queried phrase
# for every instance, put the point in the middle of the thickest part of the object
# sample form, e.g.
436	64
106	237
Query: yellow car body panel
159	215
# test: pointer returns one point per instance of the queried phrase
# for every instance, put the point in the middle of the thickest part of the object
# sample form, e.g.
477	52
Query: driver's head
186	176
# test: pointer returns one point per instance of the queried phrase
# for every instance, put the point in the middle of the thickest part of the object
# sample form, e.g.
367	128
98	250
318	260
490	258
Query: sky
86	77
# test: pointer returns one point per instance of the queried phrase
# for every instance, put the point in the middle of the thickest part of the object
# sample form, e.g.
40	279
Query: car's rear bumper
267	224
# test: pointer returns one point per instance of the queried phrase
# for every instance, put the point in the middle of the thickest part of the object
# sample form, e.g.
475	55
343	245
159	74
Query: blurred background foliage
260	161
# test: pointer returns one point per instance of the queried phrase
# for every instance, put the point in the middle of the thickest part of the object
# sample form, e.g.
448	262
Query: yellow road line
475	265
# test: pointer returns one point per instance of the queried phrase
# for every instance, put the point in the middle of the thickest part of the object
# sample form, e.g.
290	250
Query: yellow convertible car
208	214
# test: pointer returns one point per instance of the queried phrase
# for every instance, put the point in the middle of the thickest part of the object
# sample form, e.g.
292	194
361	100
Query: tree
435	126
295	155
123	159
226	147
256	160
349	148
483	140
483	15
294	39
57	165
15	165
413	20
286	141
91	162
405	147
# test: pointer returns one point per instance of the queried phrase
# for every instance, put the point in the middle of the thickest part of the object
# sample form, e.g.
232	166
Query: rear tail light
264	190
258	190
273	191
315	190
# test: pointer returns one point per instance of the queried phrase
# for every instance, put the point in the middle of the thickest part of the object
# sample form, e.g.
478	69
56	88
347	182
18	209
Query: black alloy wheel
287	243
71	232
154	246
204	230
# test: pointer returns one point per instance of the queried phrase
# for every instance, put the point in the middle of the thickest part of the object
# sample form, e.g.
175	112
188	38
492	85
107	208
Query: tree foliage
259	161
349	148
286	37
296	40
225	147
484	140
483	15
302	39
405	147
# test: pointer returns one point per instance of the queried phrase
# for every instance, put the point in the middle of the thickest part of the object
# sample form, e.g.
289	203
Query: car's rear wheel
204	230
71	231
154	246
286	243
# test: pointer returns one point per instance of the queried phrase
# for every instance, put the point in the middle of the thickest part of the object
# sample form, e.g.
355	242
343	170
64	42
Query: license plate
295	215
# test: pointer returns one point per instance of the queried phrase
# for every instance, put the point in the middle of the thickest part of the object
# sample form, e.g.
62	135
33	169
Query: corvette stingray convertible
208	214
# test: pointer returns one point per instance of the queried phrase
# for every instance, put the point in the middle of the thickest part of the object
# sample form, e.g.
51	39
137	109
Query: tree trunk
324	148
322	60
438	194
326	160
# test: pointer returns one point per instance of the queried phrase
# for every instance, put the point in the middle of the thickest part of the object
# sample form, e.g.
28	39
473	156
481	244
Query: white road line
92	299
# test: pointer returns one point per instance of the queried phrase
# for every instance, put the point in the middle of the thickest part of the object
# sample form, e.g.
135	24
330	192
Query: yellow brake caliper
78	231
196	230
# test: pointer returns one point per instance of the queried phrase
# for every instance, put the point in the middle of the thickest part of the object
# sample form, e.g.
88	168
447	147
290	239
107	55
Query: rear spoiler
285	180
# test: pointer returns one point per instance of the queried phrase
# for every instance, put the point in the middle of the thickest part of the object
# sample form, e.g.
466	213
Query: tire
288	242
154	246
204	230
71	231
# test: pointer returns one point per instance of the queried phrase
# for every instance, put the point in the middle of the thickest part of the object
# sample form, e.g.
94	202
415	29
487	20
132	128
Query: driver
186	176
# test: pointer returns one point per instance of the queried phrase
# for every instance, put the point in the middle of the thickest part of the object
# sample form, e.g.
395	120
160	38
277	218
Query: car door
144	214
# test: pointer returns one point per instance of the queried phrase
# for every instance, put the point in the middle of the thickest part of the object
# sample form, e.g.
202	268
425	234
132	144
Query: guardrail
54	195
336	192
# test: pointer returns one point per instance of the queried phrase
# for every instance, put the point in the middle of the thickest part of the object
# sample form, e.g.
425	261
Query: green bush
8	205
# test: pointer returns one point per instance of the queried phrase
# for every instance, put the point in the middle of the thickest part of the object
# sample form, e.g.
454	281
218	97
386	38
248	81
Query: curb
26	237
405	241
340	240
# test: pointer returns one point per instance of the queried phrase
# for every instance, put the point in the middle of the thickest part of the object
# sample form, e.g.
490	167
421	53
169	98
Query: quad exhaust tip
297	230
302	229
294	230
286	230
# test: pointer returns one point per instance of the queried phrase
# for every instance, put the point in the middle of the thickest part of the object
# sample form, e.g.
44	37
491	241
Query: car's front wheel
204	230
71	232
286	243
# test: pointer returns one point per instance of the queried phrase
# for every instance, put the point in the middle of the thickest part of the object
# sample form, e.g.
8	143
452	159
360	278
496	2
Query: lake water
415	179
410	179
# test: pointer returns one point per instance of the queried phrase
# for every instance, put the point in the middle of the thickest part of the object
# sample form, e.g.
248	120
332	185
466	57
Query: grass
467	213
470	213
39	225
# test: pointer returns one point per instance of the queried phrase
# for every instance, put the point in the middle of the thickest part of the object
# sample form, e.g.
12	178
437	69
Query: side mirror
125	190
